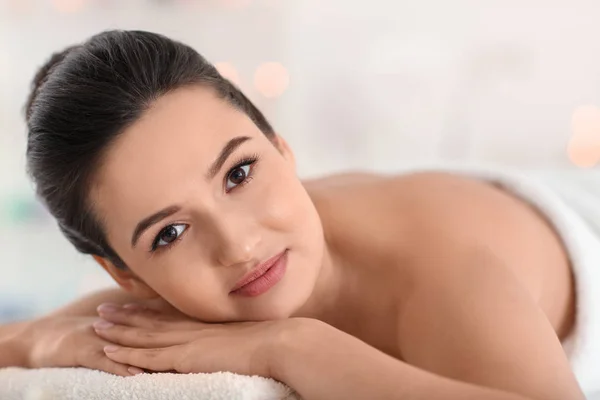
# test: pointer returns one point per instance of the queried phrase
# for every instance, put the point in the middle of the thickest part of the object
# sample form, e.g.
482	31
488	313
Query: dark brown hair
84	97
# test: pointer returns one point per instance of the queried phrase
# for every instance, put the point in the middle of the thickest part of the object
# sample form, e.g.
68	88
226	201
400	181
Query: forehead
192	116
165	153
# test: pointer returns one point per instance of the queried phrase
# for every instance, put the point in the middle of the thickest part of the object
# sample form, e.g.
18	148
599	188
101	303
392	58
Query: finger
166	310
134	306
112	367
160	359
140	337
94	358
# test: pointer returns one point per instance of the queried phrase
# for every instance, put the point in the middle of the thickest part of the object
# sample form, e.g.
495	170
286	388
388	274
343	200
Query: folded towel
85	384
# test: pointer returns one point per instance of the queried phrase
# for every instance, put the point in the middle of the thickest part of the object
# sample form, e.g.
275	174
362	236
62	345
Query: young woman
426	285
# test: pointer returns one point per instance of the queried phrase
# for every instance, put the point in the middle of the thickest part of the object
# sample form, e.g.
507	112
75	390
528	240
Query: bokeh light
271	79
584	147
228	71
68	6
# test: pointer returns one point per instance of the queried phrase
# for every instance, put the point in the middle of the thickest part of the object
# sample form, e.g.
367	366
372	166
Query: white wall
373	84
429	80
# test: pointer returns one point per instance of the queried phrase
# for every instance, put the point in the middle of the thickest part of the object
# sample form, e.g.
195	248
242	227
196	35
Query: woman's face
193	196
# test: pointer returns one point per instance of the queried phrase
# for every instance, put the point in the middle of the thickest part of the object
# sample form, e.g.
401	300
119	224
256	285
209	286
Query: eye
168	235
237	176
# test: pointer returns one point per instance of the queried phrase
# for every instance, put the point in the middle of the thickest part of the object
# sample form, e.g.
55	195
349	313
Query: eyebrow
214	169
147	222
229	148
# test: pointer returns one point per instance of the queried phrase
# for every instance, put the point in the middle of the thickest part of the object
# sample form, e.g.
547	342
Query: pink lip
262	277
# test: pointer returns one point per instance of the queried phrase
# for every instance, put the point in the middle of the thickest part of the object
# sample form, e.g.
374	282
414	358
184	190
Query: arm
315	359
476	323
11	354
12	351
474	333
320	362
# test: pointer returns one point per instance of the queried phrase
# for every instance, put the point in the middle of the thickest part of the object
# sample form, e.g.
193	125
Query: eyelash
154	248
243	161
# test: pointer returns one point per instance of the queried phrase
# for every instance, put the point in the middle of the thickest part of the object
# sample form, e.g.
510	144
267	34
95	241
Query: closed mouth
258	271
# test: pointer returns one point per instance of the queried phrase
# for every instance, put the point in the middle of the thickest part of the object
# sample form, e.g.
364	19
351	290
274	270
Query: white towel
576	215
85	384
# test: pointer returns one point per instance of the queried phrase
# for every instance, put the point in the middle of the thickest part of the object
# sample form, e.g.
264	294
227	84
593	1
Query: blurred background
379	84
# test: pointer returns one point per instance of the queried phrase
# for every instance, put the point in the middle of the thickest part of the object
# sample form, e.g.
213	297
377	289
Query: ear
127	279
285	150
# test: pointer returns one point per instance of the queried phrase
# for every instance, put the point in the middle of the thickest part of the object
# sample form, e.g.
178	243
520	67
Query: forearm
320	362
11	353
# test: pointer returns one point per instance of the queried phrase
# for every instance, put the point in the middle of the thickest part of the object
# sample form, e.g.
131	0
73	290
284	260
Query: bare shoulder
429	219
453	214
431	213
454	217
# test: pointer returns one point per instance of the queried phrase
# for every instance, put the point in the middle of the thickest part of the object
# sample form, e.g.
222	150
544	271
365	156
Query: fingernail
110	349
102	324
135	371
107	308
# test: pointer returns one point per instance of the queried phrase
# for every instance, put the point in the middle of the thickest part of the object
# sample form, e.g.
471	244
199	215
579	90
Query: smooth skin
425	285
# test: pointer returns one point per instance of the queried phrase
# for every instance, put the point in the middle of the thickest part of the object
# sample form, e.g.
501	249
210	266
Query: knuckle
151	353
143	319
155	324
141	334
145	334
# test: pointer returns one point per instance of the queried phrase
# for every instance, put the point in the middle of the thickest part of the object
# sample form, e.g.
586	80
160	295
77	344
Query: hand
156	341
61	341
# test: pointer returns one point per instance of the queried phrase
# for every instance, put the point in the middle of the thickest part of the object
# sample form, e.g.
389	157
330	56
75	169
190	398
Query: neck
332	293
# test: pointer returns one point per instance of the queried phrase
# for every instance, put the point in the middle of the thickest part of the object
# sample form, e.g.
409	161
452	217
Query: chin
272	315
283	300
279	304
275	308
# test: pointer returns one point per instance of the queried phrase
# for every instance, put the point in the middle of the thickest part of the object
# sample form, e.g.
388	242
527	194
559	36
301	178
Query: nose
236	243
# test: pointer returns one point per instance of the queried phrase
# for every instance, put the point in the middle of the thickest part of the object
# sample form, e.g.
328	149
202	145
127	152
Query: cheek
195	290
283	202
